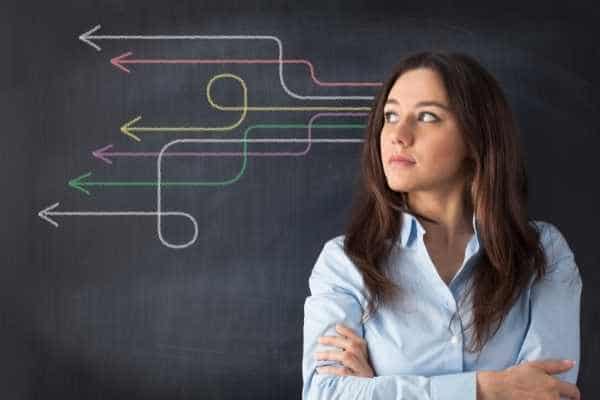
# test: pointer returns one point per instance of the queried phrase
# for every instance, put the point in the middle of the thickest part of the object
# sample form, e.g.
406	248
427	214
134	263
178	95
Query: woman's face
425	132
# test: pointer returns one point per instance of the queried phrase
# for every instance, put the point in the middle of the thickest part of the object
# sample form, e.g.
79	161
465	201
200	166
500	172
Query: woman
442	288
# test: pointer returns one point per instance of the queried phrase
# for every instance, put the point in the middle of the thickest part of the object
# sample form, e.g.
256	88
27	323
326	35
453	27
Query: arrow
90	37
183	141
80	182
105	155
77	183
49	211
122	60
128	127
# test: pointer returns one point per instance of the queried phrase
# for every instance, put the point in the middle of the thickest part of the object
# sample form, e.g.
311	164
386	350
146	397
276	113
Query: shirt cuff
461	386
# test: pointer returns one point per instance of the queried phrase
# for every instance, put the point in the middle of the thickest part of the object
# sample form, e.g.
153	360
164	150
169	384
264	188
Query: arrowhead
44	214
116	61
127	126
101	155
85	37
77	183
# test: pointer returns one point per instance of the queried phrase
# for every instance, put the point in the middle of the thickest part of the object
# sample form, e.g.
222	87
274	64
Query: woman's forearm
488	384
525	380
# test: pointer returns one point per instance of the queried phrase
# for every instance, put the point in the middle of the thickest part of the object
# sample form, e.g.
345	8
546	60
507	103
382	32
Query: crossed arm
554	302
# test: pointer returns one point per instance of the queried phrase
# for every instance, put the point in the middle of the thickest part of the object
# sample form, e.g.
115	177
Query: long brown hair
496	189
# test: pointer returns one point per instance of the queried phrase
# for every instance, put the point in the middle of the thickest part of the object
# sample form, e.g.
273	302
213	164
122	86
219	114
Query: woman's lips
401	160
402	163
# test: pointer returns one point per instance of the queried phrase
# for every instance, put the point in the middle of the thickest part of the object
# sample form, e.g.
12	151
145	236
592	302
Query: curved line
243	109
246	107
240	173
159	196
318	82
121	60
300	97
181	214
290	93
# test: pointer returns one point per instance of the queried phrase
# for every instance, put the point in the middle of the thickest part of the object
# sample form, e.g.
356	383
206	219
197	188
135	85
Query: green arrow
81	182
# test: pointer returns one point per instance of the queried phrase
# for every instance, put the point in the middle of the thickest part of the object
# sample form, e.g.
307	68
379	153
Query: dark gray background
99	308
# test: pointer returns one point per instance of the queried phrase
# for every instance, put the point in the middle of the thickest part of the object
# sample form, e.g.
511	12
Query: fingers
553	366
352	353
337	341
344	330
344	357
568	389
358	343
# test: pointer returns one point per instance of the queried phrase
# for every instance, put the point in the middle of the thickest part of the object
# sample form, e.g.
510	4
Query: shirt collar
411	228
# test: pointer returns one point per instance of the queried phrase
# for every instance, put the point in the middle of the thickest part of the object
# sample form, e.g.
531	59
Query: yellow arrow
128	128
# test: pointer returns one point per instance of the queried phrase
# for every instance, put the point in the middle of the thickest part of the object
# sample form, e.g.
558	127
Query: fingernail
570	362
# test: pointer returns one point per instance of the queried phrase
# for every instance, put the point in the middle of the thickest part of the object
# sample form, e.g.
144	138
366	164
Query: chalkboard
171	171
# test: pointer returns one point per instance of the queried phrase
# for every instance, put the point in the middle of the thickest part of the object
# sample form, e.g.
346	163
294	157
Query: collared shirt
417	350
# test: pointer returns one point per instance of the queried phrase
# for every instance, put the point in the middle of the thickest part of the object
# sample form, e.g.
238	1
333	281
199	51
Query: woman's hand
529	380
354	354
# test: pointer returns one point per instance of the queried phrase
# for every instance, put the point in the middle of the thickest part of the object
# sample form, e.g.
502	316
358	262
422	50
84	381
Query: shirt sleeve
336	297
554	307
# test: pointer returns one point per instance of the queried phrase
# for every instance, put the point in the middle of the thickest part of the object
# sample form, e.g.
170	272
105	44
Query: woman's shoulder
334	269
335	247
333	257
553	241
559	255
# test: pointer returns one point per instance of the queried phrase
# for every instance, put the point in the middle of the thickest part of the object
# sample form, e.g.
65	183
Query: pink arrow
122	60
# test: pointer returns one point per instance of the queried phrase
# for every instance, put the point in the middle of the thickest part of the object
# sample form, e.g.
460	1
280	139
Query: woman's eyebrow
422	103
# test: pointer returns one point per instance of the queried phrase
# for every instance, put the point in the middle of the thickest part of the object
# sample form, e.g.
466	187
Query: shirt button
454	339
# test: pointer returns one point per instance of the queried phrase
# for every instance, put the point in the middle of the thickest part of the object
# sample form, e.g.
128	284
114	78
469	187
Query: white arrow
48	211
89	36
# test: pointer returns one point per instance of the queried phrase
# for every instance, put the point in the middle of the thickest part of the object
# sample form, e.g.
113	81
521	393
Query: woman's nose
403	132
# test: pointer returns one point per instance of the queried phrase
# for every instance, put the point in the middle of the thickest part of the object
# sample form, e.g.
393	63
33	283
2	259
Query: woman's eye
390	116
435	118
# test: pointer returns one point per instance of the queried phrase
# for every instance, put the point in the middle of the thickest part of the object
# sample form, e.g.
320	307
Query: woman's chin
400	187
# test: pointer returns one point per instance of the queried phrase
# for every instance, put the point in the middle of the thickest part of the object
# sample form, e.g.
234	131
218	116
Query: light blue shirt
415	347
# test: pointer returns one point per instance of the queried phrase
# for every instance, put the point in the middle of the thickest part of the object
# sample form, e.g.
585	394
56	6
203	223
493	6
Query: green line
79	183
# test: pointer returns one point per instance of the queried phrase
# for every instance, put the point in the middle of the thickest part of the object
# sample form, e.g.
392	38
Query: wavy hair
495	188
